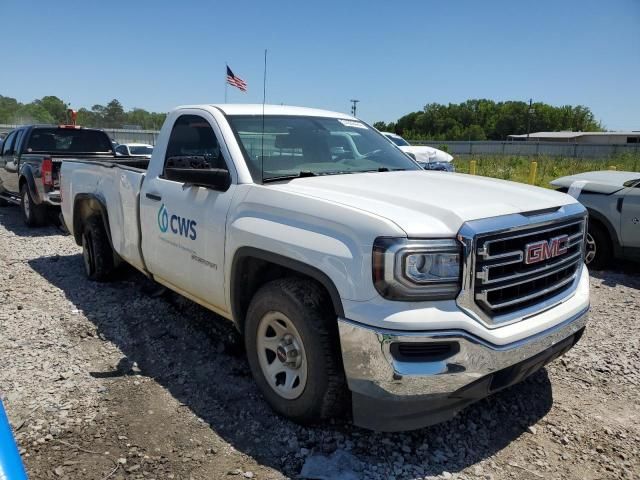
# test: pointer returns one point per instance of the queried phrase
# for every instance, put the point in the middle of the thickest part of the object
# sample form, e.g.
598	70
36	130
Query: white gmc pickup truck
358	280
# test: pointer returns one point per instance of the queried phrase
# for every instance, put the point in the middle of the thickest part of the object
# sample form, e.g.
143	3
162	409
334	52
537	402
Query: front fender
340	260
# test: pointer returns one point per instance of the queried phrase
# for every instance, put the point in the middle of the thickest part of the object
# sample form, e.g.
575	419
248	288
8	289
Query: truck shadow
11	219
197	357
624	273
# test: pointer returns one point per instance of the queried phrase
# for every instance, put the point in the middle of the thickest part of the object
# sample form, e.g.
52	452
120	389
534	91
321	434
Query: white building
602	138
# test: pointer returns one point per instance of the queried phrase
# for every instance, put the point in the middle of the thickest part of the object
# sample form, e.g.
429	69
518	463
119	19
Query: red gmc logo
539	251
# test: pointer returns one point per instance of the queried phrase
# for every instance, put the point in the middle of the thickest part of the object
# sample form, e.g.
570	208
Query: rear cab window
68	140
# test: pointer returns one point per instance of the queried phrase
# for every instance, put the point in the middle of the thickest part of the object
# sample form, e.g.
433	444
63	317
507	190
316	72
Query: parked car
358	280
134	150
613	201
428	157
30	159
11	467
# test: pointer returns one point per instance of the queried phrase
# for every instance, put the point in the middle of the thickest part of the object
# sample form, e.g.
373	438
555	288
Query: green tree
114	114
56	108
8	108
481	119
32	113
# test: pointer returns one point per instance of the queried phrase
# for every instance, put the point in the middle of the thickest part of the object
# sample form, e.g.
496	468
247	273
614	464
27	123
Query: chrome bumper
427	392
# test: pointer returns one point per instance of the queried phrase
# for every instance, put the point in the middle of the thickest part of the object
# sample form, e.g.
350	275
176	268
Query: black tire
599	247
96	250
33	215
309	308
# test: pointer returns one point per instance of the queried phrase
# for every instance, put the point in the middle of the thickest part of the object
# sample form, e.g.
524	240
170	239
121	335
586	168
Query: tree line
51	109
483	119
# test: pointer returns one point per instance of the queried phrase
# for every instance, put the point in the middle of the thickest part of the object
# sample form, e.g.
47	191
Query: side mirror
214	178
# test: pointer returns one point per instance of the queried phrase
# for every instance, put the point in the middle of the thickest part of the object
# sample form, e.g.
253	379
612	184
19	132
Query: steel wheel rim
26	204
591	248
281	355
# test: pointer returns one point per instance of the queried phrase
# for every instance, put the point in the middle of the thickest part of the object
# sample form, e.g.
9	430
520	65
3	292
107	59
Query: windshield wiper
379	169
302	174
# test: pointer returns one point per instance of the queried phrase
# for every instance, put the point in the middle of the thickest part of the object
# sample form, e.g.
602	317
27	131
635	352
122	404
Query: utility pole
354	103
529	112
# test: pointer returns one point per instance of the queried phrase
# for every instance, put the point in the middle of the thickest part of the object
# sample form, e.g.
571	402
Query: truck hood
606	181
425	203
427	154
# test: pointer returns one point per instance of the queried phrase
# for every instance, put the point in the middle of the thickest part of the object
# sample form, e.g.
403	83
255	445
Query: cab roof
256	109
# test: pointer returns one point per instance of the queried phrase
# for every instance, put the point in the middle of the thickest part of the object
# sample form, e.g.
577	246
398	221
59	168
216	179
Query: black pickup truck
30	160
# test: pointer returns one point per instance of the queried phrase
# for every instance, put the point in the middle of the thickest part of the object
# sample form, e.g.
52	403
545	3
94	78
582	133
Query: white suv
429	158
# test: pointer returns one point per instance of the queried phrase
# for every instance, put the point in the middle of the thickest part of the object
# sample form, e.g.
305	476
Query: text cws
176	224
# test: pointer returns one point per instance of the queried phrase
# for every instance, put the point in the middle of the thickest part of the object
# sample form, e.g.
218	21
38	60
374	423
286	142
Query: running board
10	198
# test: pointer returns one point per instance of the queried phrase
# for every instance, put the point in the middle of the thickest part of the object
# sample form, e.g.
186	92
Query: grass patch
549	168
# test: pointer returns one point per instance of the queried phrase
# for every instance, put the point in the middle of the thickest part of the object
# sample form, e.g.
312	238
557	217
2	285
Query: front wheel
598	247
34	215
292	345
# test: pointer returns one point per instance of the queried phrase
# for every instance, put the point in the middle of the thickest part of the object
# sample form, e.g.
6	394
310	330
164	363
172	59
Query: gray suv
613	201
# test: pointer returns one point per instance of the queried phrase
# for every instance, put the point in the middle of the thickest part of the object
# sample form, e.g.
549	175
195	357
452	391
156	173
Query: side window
121	149
17	144
7	145
193	144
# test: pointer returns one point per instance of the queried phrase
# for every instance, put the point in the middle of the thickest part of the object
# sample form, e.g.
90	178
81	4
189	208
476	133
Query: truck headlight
414	270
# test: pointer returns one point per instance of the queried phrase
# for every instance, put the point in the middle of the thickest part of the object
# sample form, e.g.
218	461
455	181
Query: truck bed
115	183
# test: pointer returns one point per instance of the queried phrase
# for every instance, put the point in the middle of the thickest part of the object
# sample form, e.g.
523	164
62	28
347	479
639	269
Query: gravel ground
121	380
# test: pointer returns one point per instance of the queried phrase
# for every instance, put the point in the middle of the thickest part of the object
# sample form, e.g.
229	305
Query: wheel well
596	219
83	208
252	271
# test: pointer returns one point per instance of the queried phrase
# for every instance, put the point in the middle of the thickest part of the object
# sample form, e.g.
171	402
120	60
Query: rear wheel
292	344
34	215
97	253
598	247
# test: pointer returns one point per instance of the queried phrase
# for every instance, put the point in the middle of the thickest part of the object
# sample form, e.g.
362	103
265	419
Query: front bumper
391	394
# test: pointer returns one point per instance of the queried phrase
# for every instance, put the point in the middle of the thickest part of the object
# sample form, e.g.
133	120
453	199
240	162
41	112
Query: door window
193	144
7	146
18	141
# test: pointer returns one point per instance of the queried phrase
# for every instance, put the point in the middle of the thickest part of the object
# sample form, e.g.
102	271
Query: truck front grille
505	282
519	265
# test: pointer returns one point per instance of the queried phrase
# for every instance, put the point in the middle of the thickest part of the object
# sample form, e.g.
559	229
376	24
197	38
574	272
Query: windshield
141	150
308	146
68	140
401	142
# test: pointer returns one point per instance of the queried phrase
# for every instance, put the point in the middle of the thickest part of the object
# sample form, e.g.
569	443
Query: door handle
154	196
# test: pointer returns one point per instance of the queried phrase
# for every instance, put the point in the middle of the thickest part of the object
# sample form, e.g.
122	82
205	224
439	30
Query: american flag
235	81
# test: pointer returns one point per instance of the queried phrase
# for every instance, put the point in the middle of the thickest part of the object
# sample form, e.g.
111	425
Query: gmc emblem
539	251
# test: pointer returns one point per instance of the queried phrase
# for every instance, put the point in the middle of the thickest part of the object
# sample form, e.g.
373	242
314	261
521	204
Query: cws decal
178	225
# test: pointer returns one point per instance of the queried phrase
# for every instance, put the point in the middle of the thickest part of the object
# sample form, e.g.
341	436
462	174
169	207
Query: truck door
183	227
630	218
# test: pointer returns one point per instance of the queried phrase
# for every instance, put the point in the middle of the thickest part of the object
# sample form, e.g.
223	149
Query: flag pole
226	84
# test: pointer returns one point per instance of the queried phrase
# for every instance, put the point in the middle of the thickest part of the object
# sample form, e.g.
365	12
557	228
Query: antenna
353	106
264	100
